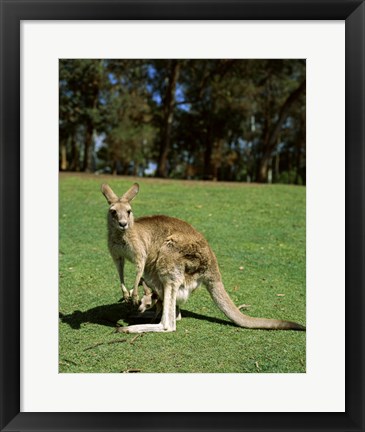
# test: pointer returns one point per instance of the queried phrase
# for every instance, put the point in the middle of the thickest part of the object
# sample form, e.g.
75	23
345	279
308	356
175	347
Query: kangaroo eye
113	212
129	212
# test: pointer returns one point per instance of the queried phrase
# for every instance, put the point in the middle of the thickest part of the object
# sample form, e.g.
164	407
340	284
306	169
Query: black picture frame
12	12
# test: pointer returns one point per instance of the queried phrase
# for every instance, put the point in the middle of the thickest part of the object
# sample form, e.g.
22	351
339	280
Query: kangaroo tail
226	305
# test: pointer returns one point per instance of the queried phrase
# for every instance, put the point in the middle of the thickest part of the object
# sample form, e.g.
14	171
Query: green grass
258	236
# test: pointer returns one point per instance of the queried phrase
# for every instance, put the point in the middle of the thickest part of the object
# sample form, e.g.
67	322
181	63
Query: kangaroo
150	299
174	259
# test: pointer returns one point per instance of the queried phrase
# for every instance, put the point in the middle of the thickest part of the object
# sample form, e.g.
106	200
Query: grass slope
258	235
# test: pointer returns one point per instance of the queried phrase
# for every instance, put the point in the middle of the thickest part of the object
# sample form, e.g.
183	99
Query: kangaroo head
148	301
120	210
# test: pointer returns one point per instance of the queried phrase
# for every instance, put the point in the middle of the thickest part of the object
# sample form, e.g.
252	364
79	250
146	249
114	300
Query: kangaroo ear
109	194
147	290
131	193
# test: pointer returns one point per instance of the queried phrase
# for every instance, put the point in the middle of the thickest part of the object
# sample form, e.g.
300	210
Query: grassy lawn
258	235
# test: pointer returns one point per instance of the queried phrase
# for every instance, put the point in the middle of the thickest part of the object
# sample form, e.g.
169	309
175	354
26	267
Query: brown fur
174	260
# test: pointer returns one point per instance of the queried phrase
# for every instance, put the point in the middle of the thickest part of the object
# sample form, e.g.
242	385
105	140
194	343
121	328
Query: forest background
221	119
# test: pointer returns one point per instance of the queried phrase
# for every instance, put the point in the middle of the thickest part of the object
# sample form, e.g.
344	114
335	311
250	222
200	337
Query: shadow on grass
188	314
107	315
110	315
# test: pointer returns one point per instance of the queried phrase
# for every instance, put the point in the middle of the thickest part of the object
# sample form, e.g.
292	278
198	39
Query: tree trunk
298	162
209	144
217	158
63	146
300	145
114	166
168	118
277	166
75	162
263	169
87	165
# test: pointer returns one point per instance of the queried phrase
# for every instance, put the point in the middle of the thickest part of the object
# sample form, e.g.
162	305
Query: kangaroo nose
122	224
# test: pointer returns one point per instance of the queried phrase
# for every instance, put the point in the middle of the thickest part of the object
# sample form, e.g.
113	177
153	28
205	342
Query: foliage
221	119
258	235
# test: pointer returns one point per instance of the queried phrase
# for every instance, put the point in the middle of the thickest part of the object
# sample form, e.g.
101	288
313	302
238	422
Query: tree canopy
222	119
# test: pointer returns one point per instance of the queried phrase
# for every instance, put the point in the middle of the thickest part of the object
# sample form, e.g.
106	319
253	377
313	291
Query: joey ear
147	290
109	194
131	193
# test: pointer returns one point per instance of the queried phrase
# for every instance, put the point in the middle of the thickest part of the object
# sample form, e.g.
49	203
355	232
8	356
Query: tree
128	132
222	119
272	130
80	85
171	72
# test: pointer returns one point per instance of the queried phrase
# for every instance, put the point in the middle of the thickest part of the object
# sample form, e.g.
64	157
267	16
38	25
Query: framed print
35	393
